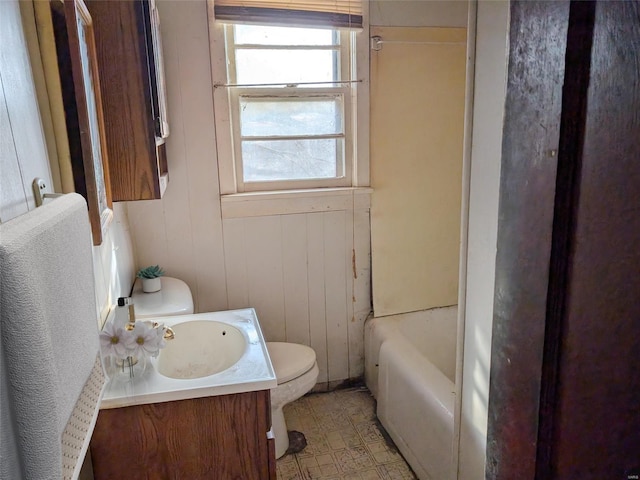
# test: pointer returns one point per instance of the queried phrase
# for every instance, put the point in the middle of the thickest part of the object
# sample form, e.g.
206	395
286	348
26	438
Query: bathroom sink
213	353
201	348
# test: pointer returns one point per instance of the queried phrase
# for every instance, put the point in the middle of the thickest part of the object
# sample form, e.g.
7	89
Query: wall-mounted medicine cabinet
129	54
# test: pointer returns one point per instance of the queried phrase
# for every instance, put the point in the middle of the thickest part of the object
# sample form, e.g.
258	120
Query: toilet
173	298
296	372
295	365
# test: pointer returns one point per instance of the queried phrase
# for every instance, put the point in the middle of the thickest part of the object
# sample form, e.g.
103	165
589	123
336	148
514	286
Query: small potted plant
150	278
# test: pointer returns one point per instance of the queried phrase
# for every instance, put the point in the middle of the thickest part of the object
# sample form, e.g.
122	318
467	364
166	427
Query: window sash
344	157
340	47
297	168
296	97
312	13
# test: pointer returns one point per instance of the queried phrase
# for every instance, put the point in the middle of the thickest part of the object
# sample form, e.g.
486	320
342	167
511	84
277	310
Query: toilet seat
290	360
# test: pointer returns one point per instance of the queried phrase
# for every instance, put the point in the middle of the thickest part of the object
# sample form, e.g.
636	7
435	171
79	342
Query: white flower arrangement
132	342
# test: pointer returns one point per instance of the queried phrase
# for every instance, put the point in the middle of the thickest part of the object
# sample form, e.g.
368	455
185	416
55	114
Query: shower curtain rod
282	84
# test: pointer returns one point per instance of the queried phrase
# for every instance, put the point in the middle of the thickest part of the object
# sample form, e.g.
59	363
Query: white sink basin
201	348
214	353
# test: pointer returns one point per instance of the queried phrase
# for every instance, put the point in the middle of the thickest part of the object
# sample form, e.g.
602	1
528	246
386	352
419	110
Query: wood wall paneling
297	271
13	198
361	294
191	152
263	257
317	293
235	263
336	293
21	124
295	282
148	232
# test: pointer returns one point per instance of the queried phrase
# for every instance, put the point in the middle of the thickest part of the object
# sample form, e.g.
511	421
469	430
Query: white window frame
355	91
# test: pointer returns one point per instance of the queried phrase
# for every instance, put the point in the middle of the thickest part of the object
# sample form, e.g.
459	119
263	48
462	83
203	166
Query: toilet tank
173	298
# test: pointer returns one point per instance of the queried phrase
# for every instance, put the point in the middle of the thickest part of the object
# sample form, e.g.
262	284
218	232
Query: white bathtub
410	369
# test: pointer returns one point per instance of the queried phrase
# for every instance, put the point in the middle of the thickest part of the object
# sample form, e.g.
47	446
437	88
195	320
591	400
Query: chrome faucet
130	325
169	334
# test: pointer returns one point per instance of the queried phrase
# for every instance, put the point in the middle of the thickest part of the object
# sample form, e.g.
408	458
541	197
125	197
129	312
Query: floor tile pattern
344	440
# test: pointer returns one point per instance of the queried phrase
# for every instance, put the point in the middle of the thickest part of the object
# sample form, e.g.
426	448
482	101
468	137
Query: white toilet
173	298
294	365
297	372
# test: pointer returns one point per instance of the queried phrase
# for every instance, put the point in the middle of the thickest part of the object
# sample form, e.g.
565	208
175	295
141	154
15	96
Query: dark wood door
597	414
564	396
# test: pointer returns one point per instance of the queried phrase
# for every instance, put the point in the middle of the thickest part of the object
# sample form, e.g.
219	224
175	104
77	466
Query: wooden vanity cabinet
131	70
222	438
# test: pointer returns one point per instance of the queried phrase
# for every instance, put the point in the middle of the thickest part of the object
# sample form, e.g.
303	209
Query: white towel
49	333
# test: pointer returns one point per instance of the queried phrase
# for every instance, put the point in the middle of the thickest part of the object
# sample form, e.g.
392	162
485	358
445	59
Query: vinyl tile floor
344	440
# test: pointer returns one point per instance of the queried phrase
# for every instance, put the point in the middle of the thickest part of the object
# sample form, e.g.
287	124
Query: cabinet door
127	44
221	437
151	21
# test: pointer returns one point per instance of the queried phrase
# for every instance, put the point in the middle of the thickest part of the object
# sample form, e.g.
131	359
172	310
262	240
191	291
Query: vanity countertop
252	372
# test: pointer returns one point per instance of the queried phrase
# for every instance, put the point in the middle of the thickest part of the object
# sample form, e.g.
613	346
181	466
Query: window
289	100
285	107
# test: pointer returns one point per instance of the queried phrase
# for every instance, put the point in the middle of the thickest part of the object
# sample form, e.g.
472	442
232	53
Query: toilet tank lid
173	298
290	360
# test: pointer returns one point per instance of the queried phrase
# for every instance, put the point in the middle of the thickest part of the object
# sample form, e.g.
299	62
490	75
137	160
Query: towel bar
38	191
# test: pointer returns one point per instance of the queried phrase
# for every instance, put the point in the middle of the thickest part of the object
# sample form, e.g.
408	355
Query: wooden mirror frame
83	111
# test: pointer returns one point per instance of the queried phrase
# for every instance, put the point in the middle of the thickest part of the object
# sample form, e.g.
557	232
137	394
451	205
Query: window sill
287	202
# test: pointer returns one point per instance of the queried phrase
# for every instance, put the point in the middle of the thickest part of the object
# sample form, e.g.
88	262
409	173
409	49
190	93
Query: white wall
183	231
486	146
293	264
417	120
23	156
307	275
23	151
113	263
418	13
417	105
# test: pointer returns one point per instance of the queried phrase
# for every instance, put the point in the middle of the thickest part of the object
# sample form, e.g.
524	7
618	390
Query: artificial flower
142	340
112	341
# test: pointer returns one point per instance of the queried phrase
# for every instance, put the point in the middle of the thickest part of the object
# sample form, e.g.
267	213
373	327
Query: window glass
290	159
261	35
285	66
290	116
